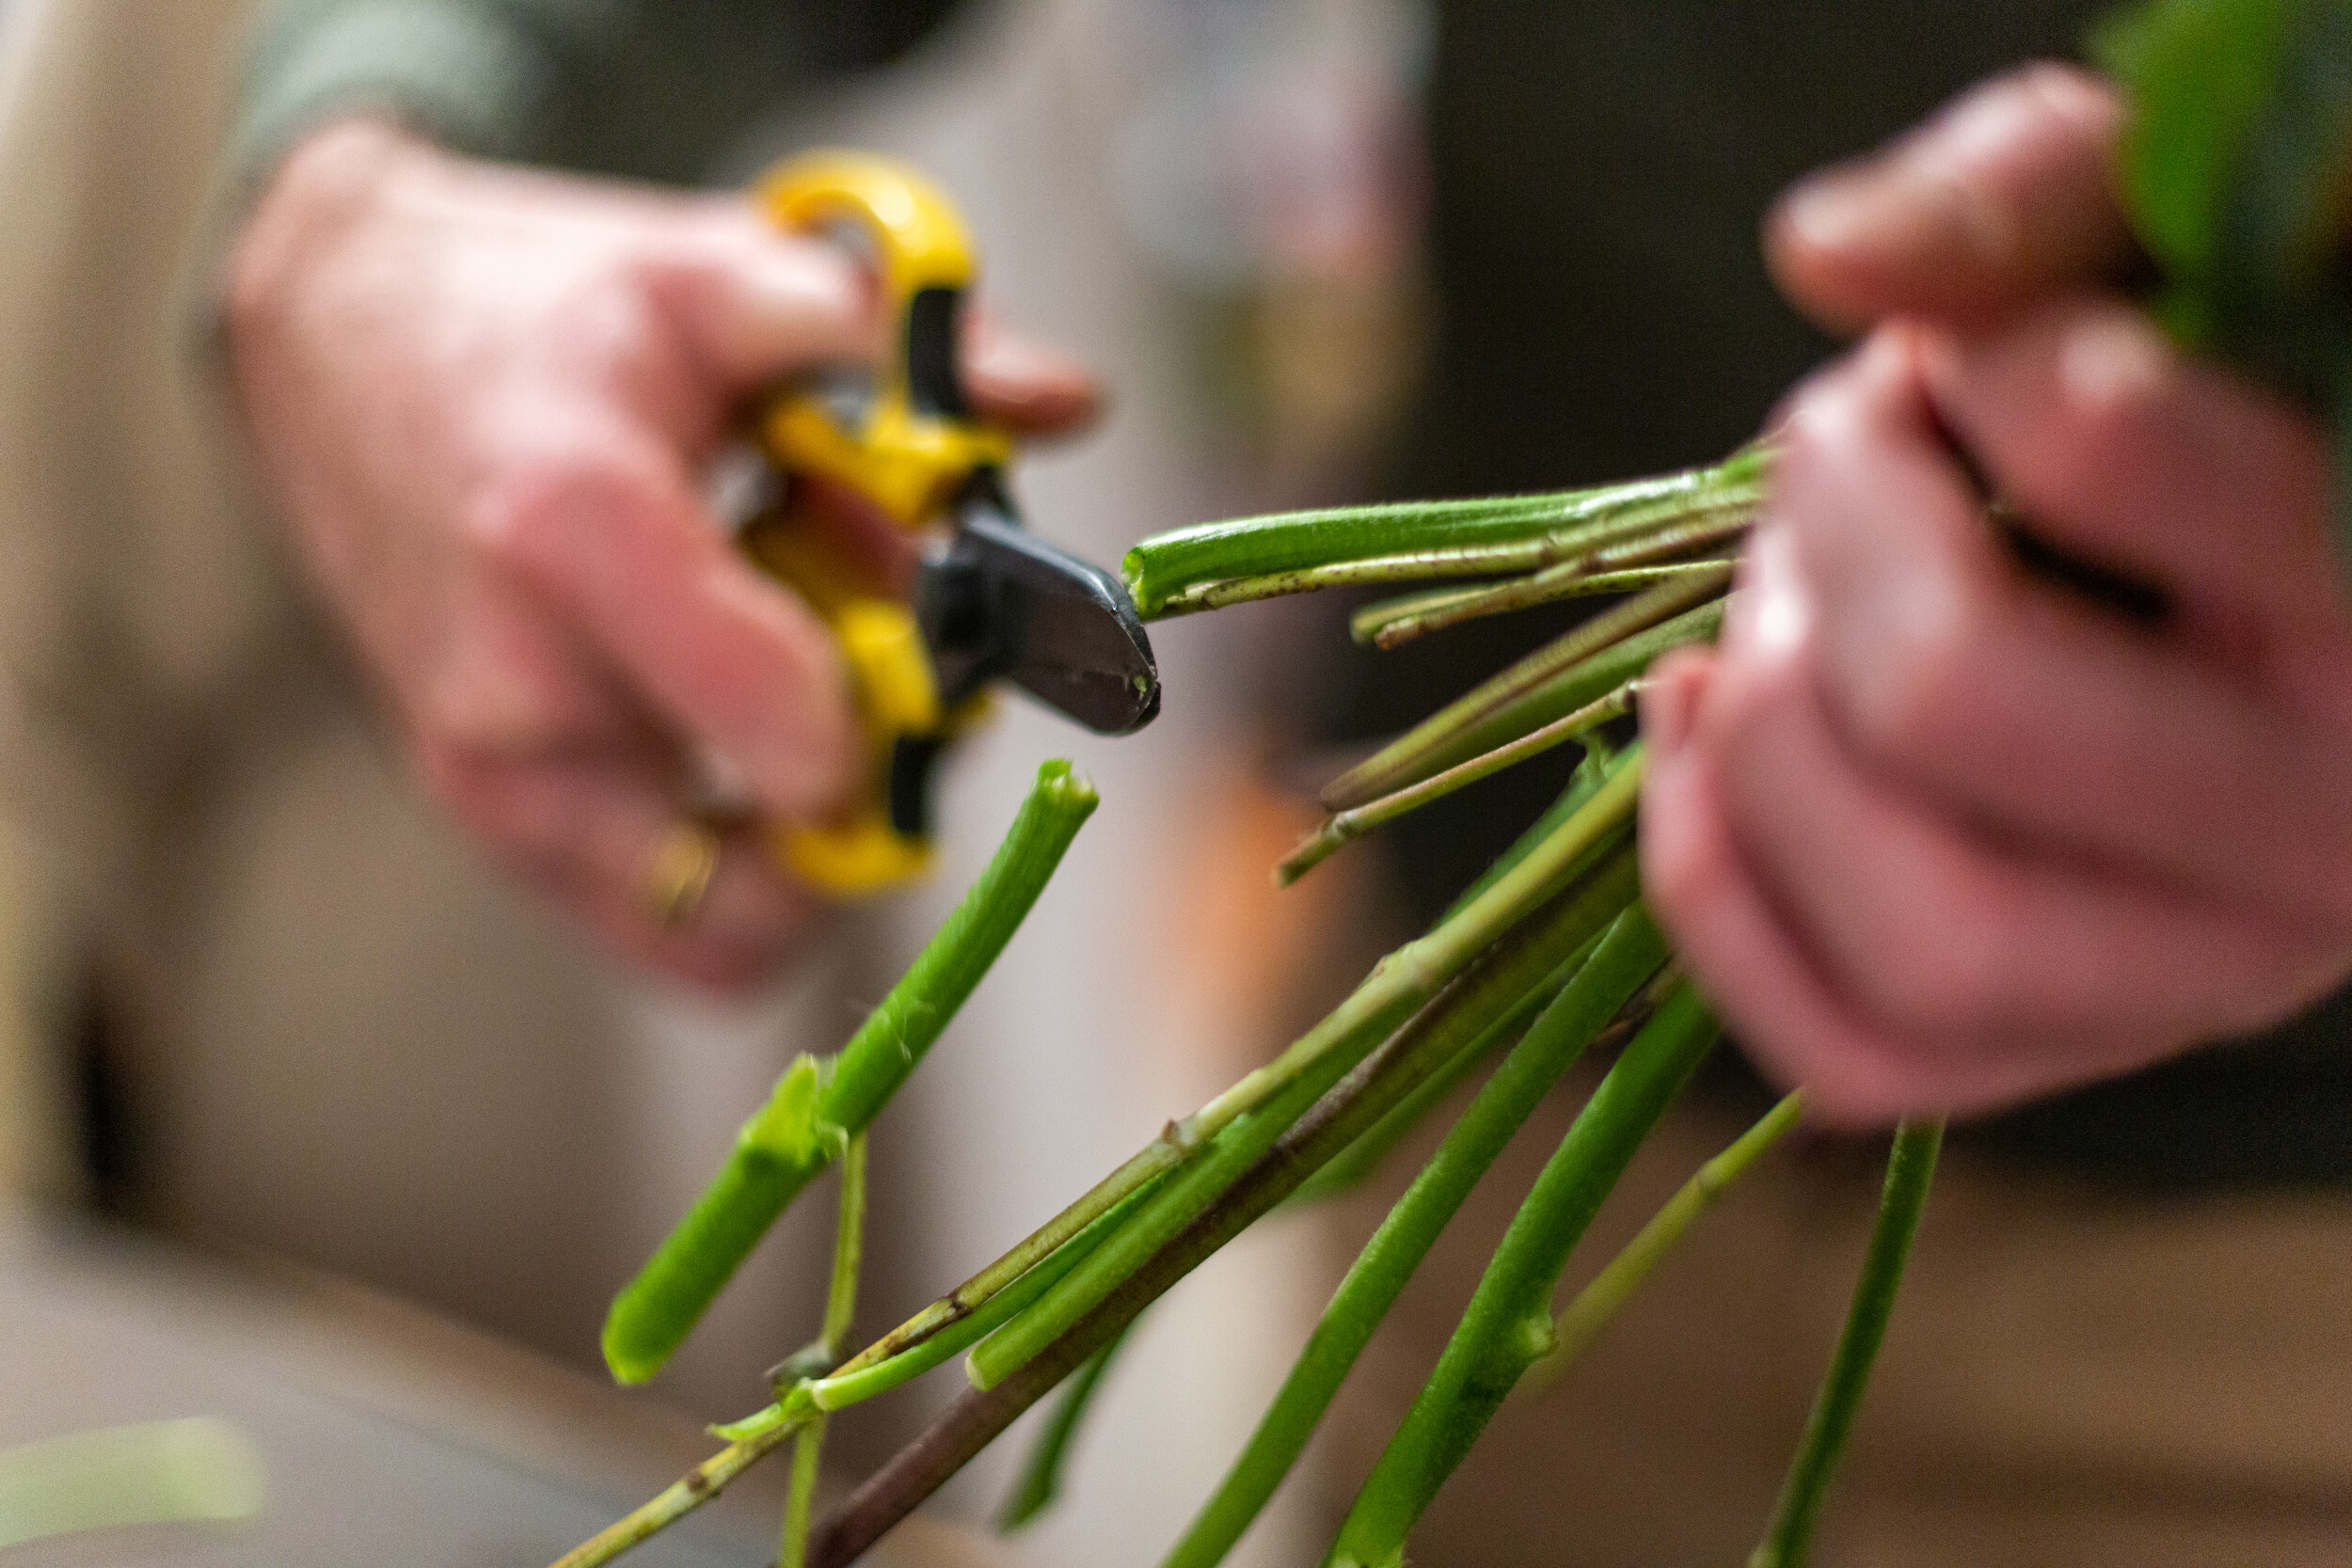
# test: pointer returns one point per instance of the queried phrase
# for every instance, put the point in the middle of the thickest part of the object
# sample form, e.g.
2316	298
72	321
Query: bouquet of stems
2236	168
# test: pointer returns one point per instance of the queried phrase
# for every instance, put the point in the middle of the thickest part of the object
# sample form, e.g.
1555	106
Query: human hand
1935	833
482	397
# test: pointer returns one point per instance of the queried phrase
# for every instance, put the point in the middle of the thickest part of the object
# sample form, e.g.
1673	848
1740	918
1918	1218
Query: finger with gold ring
679	869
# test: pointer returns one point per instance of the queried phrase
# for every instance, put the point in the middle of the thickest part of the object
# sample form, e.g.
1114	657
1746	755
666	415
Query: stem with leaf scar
1370	1092
1343	827
1580	874
1399	986
818	1105
1392	623
1910	1172
849	1249
1551	683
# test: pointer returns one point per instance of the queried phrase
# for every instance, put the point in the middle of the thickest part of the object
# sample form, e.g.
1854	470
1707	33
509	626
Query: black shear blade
996	602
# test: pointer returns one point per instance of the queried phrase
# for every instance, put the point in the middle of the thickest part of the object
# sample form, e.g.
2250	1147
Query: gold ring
679	869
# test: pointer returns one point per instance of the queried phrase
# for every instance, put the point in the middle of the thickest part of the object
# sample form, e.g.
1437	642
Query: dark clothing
1600	171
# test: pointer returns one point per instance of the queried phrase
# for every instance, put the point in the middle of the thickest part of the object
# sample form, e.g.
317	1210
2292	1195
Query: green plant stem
1562	557
869	1376
816	1107
1040	1482
1507	1325
1359	1160
1496	978
800	1497
1627	955
1910	1172
1364	1156
1556	679
1577	577
1400	985
1628	539
832	1338
1180	1139
1590	1310
676	1501
849	1249
1170	564
1142	1169
1599	765
1367	625
1343	827
1368	1093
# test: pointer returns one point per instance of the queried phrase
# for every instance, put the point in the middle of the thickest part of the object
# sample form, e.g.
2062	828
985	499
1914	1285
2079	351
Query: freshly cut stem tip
1580	1321
818	1106
1910	1172
1626	954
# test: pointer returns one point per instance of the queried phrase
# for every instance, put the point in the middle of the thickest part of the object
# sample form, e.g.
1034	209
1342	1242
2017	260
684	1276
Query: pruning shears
992	601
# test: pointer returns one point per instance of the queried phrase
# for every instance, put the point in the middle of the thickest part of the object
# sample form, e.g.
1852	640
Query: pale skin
1934	833
483	398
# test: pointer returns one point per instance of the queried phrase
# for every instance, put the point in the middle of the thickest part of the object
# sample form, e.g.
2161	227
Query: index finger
623	542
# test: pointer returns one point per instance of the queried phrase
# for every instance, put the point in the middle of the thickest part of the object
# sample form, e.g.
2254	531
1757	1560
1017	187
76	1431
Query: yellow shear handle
908	446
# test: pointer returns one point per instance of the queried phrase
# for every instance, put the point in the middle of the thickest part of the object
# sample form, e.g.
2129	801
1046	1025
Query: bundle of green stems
1548	957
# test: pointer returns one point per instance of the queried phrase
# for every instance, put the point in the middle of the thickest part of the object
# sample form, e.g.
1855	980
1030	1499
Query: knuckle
471	714
2110	381
1935	979
1909	700
530	516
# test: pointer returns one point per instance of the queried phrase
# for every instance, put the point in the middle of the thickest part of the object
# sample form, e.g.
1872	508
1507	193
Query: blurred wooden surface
388	1435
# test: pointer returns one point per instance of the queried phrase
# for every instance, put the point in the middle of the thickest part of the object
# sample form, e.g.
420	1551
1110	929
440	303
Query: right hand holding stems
1935	833
482	397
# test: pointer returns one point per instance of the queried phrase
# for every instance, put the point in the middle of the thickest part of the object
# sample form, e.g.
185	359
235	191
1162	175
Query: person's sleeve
650	89
473	77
